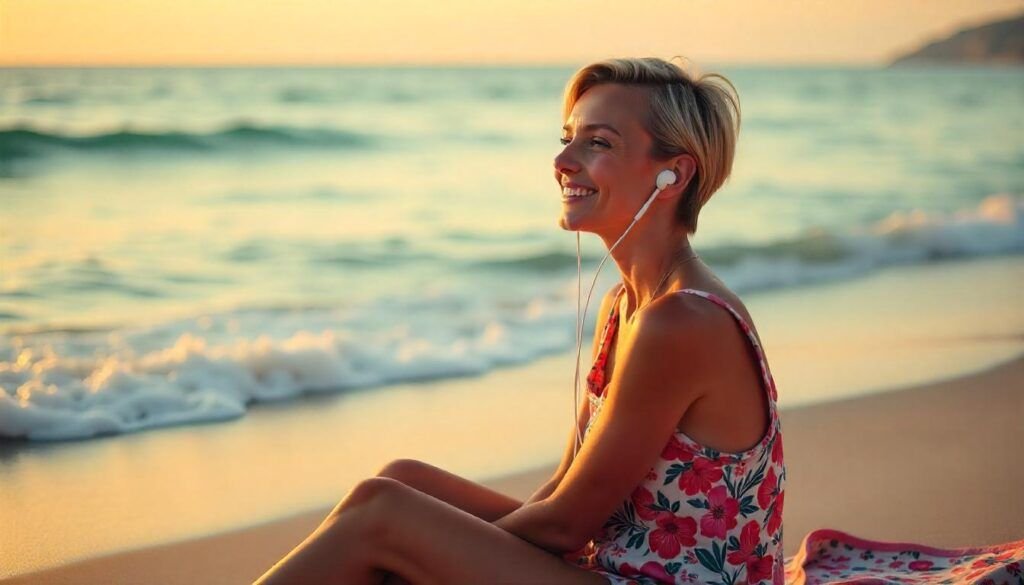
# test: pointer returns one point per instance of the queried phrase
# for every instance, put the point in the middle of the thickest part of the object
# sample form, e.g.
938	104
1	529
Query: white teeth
577	192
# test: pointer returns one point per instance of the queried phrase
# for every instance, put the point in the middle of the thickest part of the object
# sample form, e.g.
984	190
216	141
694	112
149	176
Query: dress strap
596	377
766	375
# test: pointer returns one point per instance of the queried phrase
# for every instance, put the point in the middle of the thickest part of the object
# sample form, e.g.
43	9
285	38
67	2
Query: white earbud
665	178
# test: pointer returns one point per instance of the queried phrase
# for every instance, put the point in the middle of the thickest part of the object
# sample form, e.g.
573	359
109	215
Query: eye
594	141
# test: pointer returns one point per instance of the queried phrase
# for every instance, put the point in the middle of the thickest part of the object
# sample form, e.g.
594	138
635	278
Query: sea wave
66	384
57	386
26	142
994	226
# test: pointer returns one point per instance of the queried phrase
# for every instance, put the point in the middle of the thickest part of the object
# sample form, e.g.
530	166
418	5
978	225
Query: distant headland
1000	42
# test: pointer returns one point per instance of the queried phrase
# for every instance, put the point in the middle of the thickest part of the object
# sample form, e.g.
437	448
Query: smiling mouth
576	193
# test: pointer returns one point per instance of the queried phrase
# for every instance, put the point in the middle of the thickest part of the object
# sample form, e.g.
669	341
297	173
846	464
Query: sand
937	464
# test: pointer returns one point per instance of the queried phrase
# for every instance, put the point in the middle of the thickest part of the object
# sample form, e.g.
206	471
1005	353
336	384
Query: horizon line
410	64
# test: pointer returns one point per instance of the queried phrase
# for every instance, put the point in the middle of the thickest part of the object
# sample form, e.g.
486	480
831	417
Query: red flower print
759	568
921	565
1005	555
675	450
721	515
748	542
627	570
775	520
767	489
700	477
673	532
982	562
642	500
777	449
653	569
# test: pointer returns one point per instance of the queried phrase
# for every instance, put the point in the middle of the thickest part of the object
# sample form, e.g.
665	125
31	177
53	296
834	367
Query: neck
643	258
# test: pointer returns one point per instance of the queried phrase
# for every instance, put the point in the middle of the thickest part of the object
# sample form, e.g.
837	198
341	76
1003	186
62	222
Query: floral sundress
700	515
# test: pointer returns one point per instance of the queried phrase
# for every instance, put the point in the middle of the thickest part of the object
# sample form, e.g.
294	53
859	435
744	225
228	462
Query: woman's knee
367	493
406	471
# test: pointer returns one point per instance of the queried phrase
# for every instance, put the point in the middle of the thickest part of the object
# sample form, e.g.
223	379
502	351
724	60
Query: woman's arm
539	523
534	521
583	416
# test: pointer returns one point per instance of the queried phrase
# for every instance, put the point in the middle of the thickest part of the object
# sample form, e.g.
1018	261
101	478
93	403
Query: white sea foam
62	385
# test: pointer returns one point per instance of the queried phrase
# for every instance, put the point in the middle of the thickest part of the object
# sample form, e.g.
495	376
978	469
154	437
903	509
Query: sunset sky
138	32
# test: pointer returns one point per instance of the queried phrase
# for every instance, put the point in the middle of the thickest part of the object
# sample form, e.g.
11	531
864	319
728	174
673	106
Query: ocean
178	245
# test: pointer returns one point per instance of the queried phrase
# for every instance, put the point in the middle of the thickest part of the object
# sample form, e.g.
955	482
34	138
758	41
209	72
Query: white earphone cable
581	320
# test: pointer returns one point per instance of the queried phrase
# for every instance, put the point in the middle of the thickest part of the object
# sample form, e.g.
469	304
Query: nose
565	163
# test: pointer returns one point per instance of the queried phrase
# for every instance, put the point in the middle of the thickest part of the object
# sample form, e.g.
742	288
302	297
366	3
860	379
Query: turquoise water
180	243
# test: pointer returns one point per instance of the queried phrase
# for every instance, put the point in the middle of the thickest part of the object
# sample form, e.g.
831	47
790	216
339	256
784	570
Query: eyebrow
592	127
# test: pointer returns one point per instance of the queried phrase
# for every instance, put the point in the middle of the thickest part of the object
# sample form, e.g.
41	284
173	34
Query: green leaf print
673	567
622	521
674	471
719	554
751	480
636	540
708	560
747	506
663	502
630	511
697	502
727	476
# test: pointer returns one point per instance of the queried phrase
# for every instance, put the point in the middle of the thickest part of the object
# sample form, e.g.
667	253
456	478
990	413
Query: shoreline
907	465
70	502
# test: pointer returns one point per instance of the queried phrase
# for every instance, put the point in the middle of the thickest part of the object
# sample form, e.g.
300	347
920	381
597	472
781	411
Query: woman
680	478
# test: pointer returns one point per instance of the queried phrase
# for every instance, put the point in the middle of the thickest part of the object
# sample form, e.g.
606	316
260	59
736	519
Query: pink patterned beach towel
830	556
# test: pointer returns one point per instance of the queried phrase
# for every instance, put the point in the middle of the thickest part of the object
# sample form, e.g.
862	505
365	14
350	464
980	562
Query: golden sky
137	32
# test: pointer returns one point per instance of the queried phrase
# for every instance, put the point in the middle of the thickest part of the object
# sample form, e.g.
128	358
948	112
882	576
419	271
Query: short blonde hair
688	114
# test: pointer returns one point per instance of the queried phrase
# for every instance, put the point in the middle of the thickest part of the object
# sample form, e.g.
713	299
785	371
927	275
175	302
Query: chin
568	224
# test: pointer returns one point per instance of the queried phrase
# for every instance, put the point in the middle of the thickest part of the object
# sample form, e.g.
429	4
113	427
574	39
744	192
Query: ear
685	167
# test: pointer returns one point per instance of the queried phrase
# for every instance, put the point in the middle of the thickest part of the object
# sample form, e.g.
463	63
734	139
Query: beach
933	464
917	441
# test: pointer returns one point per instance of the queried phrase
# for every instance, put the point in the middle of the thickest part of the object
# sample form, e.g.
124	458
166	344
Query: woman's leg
478	500
384	526
462	493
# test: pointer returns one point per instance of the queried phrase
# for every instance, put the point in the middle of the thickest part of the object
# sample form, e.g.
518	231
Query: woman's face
606	152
